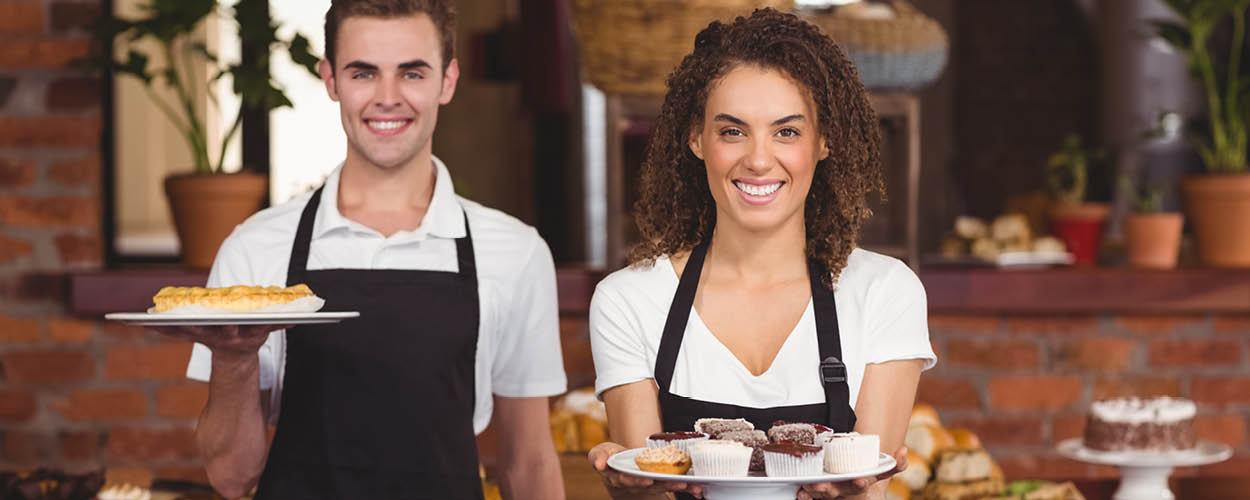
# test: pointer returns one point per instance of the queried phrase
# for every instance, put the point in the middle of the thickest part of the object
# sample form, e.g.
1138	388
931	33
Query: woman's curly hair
676	212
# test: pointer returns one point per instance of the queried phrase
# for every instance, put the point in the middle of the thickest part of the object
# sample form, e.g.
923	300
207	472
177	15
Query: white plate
1034	259
624	462
219	319
1205	453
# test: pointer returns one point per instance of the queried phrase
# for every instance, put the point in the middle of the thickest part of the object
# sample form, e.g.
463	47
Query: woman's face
760	141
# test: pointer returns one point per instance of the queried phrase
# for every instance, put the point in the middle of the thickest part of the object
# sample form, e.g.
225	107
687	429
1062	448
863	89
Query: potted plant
1152	236
1077	222
1218	204
206	203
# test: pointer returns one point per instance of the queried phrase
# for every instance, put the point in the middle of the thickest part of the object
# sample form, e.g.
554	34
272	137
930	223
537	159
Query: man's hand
225	340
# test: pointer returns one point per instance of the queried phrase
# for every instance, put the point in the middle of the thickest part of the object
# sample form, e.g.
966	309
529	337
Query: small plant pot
1080	228
1218	207
207	207
1153	240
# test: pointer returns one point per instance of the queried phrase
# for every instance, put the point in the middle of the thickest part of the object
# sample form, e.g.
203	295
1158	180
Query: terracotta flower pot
206	208
1218	207
1153	240
1080	228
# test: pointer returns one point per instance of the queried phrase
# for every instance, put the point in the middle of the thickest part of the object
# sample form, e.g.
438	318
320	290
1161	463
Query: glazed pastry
236	298
719	458
795	433
666	460
714	427
682	440
756	439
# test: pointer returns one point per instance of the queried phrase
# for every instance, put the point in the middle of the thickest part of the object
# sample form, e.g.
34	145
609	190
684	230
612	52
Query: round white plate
624	462
221	319
1205	453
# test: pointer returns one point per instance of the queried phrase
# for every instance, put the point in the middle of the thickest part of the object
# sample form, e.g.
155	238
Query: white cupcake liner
823	437
844	455
721	462
786	465
681	444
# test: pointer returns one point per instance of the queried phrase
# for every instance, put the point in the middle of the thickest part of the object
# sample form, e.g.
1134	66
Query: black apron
380	406
679	413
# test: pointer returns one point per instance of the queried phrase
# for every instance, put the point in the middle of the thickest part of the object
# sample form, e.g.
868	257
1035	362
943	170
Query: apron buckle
832	370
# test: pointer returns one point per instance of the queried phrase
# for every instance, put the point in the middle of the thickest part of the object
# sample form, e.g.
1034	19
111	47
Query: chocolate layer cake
756	439
1132	424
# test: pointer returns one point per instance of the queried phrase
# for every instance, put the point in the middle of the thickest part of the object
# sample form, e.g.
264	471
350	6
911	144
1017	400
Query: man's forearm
231	431
539	477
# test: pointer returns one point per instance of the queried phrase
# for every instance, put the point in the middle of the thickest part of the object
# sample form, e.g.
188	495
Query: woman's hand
854	487
625	485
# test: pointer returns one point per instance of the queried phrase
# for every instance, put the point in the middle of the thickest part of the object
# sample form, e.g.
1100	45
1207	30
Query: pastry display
1040	490
927	439
1157	424
897	490
851	452
234	299
983	488
958	466
917	473
579	421
123	492
665	460
790	459
719	458
1011	232
682	440
756	439
714	427
795	433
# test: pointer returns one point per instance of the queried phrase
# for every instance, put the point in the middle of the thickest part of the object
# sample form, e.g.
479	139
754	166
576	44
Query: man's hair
441	12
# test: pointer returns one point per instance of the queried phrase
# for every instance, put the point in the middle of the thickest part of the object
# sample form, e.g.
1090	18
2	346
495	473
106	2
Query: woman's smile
758	192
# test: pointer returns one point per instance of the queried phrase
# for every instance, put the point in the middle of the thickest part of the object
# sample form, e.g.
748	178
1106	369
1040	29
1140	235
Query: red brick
1157	323
12	249
148	362
76	172
73	94
79	446
1221	390
993	354
70	331
68	16
1235	467
1066	427
185	400
59	211
79	251
121	332
16	175
1194	352
1044	467
965	323
34	286
34	52
1227	429
95	405
22	17
17	405
1034	392
1002	431
1052	324
1113	387
53	131
151	444
1095	354
17	329
948	393
1231	324
47	366
27	447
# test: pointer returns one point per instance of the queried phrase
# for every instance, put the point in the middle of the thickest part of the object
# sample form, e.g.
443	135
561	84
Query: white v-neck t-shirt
882	316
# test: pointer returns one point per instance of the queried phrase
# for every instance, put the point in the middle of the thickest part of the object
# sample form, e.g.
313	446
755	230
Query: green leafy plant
172	24
1145	195
1224	150
1067	170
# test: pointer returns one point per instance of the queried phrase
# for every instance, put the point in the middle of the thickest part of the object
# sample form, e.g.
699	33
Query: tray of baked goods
732	459
235	305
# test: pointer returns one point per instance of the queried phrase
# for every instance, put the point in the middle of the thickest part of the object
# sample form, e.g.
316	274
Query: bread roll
897	490
927	440
960	466
962	491
917	473
964	438
923	413
971	228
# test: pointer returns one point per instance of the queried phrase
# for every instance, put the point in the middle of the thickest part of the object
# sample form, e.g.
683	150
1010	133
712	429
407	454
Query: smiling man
458	325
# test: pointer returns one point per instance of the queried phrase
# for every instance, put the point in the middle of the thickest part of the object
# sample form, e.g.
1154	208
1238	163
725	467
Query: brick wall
1023	383
74	394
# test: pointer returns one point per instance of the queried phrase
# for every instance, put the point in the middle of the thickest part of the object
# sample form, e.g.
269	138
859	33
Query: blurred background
1041	156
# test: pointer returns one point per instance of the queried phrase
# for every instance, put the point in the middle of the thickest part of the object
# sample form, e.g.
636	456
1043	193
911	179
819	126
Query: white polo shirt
882	317
518	347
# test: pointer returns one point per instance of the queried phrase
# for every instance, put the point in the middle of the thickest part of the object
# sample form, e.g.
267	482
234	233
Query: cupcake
756	439
851	452
682	440
794	433
714	427
789	459
823	434
666	460
717	458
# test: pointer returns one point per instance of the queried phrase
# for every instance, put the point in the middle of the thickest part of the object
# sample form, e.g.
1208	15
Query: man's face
389	83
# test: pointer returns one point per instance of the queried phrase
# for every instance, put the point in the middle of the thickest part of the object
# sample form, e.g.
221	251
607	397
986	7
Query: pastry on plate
235	298
790	459
851	452
720	458
666	460
682	440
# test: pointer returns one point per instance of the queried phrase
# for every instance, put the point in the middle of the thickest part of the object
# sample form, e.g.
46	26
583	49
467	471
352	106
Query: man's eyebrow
788	119
729	118
361	65
415	64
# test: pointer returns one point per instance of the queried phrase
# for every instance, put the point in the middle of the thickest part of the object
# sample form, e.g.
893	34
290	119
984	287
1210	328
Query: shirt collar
443	219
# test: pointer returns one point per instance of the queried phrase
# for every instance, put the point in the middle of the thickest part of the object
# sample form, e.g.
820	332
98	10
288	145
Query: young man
458	305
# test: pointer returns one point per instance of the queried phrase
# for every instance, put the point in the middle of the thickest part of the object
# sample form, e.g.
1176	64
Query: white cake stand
747	487
1144	475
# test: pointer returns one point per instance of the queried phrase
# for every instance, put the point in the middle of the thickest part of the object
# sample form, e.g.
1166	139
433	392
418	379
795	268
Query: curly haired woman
748	297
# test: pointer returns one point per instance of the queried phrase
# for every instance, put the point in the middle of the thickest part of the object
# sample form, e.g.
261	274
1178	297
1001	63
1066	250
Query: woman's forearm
231	431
